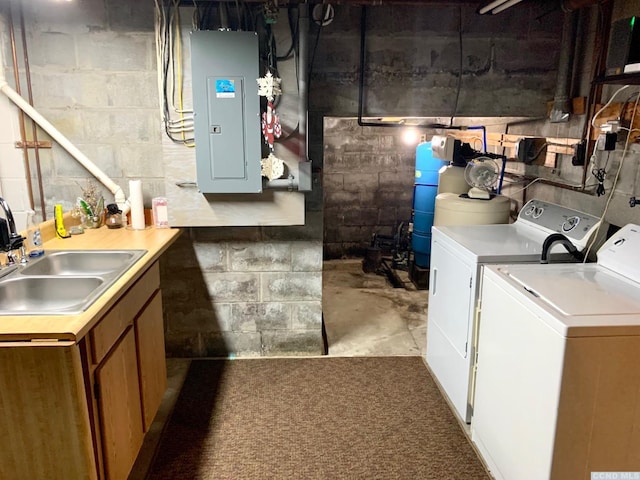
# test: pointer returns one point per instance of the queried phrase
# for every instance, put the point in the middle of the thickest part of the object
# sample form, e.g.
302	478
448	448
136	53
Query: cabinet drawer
105	334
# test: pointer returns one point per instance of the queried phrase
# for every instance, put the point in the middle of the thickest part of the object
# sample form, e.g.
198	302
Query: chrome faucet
11	239
554	238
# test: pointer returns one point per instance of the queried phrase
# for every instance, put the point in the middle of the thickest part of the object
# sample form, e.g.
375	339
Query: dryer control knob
570	223
538	212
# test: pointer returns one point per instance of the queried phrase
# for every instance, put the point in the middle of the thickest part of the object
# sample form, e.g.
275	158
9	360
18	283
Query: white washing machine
458	254
558	382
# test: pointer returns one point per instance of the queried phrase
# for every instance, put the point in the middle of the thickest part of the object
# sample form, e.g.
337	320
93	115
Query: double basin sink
63	282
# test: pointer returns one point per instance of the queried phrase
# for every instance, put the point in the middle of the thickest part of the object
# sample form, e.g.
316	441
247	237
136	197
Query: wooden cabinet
80	410
119	407
152	366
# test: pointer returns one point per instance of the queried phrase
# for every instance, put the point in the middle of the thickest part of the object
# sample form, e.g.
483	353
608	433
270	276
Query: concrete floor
364	315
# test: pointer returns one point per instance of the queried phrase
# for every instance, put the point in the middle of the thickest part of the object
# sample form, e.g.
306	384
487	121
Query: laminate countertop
45	328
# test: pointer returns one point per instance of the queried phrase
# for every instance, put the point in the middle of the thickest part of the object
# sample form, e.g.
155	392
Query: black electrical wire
293	28
600	175
624	107
239	26
315	46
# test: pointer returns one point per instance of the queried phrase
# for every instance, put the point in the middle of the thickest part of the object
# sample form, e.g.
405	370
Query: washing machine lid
494	243
621	252
578	289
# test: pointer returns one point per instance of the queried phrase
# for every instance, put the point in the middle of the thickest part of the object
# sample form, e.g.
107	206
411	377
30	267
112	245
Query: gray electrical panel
226	108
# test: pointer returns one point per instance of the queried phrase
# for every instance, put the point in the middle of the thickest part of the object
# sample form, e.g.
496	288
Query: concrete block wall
248	291
412	60
13	181
412	64
244	291
368	178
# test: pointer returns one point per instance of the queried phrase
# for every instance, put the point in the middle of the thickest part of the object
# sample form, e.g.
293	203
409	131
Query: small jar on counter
114	216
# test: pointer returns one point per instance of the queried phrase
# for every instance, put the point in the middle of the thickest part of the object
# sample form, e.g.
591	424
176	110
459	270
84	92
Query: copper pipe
16	74
543	181
34	129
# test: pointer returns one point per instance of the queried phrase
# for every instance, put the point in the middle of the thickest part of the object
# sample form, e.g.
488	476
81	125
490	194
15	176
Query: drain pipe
562	100
65	143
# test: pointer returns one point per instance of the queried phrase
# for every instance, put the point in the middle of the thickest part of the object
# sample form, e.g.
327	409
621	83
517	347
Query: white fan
481	174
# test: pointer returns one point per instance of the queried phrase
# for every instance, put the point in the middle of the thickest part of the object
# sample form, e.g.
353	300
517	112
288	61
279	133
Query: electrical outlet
531	150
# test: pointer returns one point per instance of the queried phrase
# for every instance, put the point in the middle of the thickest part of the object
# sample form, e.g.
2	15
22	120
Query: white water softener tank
452	209
451	179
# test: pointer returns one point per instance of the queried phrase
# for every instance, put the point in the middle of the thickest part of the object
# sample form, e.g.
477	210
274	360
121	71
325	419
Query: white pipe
490	6
504	6
64	142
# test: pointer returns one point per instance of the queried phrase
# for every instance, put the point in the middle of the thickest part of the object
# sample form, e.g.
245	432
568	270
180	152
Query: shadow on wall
193	327
244	291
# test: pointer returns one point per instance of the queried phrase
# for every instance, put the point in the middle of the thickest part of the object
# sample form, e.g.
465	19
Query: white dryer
458	254
558	382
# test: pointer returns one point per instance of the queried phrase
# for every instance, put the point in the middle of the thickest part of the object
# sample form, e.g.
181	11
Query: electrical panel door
226	109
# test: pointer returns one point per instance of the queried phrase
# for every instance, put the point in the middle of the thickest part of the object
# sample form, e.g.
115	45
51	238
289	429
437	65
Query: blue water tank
424	201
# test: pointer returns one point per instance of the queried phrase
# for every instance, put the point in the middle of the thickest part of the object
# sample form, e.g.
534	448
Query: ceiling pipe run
562	100
371	3
504	6
490	6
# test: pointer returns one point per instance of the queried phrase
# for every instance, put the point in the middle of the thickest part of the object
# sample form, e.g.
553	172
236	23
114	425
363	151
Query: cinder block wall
412	63
244	291
369	174
227	291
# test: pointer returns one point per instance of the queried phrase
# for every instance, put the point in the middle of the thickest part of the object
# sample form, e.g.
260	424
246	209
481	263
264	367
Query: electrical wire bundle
177	121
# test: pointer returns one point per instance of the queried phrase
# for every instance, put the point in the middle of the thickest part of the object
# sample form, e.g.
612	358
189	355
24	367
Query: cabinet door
119	407
151	358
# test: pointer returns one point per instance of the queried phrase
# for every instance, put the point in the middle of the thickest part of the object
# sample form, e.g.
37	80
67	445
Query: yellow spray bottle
61	232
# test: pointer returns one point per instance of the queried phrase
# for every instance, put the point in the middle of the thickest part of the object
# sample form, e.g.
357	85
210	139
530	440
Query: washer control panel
551	218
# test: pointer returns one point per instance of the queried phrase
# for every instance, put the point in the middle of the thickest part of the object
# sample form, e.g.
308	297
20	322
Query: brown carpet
314	418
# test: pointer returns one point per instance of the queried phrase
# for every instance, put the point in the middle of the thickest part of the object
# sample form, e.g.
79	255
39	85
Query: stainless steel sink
83	262
47	295
63	282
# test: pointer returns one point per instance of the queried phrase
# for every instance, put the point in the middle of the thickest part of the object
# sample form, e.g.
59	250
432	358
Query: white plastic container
160	212
451	179
451	209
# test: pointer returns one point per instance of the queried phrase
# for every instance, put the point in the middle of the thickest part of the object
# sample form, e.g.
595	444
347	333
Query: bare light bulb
410	136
